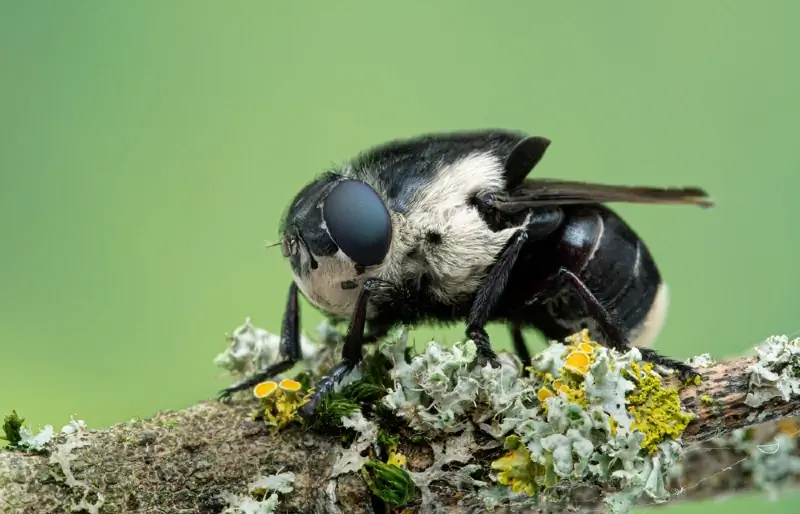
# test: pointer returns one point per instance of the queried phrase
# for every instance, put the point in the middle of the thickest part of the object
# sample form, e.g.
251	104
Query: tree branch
198	459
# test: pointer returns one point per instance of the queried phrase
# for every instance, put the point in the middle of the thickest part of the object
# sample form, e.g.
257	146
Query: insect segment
447	227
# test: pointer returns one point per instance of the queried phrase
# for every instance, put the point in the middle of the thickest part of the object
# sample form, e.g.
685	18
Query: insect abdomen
625	278
602	251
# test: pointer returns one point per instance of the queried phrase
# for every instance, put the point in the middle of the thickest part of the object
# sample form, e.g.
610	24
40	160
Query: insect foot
686	373
485	354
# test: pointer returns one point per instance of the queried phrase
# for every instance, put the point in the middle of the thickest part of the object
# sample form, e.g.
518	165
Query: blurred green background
148	149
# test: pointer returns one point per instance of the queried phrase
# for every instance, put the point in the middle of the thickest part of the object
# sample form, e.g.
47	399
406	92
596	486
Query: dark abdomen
608	257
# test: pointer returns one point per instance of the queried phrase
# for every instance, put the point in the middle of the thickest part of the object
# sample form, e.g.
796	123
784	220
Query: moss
331	410
389	482
11	428
388	440
707	399
657	411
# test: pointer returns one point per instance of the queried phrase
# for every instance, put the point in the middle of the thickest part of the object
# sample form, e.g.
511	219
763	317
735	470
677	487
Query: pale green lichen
263	497
776	371
581	414
703	360
585	413
771	466
251	348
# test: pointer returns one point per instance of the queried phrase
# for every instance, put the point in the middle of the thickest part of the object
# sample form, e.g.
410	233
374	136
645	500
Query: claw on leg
289	349
485	354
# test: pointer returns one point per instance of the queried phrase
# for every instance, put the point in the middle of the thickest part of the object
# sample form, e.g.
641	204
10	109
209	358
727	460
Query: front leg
352	350
289	349
539	225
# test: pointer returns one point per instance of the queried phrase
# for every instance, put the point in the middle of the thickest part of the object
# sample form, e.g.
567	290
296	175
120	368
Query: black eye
358	222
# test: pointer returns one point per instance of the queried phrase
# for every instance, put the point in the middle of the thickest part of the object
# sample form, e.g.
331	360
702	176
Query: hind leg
519	344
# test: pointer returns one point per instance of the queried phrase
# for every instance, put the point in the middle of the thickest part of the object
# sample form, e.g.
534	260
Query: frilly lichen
584	413
263	497
776	371
251	348
580	414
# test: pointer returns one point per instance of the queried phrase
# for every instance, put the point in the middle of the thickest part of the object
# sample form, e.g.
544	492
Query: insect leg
519	344
351	352
539	225
616	334
289	349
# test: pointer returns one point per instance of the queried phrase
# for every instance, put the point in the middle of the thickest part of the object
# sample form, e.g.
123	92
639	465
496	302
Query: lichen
263	497
279	402
351	459
458	449
771	466
250	348
580	414
516	468
776	371
74	437
584	413
657	411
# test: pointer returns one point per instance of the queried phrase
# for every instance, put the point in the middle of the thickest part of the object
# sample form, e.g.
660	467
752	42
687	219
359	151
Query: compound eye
358	222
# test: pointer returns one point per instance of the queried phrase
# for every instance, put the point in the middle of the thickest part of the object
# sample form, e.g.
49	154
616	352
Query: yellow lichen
517	470
264	389
789	427
612	425
576	396
577	362
657	411
579	339
289	385
279	402
543	394
397	459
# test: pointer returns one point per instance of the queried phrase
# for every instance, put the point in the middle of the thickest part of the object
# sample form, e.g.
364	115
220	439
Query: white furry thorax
457	263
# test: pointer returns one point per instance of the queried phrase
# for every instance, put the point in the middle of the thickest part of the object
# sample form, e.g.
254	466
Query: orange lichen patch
264	389
543	394
789	427
586	347
558	385
289	385
577	362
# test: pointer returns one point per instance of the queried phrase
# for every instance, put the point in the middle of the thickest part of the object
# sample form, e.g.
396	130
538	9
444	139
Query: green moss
657	411
330	412
365	392
389	483
387	440
706	398
11	428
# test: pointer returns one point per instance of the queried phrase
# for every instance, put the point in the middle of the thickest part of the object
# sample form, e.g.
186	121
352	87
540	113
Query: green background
148	149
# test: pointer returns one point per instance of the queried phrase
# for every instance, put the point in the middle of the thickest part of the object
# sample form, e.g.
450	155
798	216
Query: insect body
448	228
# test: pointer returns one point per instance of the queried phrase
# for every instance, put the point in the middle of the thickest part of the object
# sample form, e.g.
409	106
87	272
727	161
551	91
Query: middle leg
539	225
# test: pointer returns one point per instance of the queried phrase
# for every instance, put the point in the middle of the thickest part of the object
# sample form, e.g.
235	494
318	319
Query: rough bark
183	461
